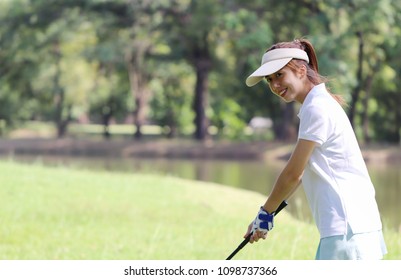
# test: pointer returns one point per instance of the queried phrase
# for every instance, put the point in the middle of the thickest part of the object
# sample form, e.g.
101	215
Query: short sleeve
314	124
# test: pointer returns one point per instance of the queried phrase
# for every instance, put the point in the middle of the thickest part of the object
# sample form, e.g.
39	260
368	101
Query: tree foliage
181	64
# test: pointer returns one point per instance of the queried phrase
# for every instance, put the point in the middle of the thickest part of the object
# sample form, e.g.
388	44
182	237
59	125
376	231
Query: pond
255	175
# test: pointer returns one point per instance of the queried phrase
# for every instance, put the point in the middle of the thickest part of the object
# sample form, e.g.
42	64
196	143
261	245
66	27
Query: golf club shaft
246	240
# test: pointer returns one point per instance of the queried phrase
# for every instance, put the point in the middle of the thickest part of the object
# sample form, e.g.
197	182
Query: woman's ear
302	71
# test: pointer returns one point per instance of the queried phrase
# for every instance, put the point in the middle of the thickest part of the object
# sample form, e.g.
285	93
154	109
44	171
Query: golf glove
263	221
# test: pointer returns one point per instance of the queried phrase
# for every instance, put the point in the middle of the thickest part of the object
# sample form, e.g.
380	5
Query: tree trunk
59	96
139	89
202	66
365	113
63	123
365	117
286	130
139	112
356	92
106	117
398	121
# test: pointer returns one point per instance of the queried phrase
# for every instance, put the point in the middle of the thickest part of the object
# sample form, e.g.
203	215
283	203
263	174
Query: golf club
246	240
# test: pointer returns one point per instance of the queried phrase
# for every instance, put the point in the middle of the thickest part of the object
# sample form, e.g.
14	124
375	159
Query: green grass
48	130
60	213
115	129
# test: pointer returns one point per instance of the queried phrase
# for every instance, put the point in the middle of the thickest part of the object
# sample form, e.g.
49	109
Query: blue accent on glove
263	221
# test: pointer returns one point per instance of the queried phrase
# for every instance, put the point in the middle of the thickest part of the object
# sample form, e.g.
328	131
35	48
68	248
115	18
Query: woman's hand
260	226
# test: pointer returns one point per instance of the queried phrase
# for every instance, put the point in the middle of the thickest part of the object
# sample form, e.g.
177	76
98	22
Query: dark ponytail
310	51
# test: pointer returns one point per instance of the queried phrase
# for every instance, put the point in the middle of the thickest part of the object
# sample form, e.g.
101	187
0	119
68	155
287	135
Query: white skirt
360	246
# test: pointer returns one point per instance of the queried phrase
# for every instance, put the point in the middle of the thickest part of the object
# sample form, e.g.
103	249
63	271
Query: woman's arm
287	182
290	178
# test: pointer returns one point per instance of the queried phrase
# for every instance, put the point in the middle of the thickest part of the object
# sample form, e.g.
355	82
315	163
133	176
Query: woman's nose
275	84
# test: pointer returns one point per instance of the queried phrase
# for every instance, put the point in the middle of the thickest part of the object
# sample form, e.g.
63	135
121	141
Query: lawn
64	213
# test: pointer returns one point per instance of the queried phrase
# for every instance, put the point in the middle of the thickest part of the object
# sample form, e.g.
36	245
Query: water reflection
387	181
251	175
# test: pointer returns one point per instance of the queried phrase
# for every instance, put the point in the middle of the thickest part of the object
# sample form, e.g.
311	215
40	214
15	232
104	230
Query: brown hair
311	67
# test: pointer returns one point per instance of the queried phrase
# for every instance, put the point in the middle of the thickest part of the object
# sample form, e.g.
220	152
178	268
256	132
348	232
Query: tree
67	90
193	27
20	65
370	41
64	59
135	22
172	86
109	98
40	31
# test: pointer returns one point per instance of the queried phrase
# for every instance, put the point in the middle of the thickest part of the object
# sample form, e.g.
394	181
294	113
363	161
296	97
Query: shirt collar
317	89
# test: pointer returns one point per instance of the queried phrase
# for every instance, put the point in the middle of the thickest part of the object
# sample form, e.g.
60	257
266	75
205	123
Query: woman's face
288	84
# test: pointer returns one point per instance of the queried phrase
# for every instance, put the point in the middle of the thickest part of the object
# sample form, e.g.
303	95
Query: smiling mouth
282	92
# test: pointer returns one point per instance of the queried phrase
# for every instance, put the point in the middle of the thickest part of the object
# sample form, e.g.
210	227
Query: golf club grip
246	240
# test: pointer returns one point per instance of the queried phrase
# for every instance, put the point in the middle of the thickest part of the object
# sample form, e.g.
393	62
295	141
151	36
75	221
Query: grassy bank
60	213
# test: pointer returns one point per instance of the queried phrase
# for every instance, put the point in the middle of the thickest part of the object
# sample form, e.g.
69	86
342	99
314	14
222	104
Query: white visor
274	60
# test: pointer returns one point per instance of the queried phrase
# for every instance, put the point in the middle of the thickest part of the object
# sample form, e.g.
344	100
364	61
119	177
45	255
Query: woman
326	157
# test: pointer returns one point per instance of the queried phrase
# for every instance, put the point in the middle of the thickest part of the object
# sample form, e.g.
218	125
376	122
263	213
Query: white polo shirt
336	181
